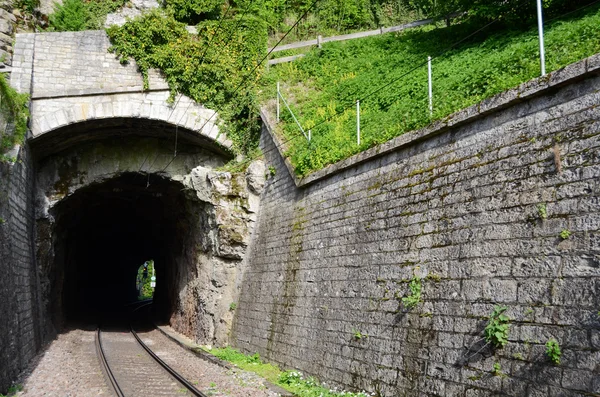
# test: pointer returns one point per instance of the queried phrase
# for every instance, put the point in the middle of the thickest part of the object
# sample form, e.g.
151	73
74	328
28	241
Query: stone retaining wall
473	207
20	336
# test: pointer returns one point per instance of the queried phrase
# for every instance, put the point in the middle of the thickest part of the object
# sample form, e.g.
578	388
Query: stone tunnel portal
104	232
109	202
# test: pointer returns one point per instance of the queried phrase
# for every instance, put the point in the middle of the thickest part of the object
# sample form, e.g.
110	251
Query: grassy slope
331	79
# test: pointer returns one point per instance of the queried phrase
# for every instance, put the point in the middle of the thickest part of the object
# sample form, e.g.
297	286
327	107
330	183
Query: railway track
133	369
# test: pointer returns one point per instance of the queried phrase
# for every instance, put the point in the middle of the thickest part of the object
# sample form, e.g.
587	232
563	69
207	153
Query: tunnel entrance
106	206
104	231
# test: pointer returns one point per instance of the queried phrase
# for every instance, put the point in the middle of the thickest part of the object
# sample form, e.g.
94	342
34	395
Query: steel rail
104	363
170	370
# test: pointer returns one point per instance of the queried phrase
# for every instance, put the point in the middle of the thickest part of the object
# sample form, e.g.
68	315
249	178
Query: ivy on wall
217	67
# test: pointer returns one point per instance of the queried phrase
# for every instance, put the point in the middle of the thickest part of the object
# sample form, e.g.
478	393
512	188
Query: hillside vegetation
389	75
221	66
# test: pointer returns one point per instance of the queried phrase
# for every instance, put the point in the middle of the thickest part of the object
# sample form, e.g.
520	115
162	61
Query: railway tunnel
111	195
104	232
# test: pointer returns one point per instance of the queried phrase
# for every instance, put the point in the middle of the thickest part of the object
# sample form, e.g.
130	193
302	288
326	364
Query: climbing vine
13	107
217	67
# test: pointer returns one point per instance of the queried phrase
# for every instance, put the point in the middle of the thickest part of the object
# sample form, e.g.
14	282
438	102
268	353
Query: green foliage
293	381
496	331
323	86
15	112
542	211
272	171
310	387
411	300
147	292
359	335
553	351
71	15
565	234
232	306
497	369
27	5
76	15
7	159
193	11
216	75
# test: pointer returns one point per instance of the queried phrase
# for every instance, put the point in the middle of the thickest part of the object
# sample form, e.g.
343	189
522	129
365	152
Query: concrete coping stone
188	344
525	91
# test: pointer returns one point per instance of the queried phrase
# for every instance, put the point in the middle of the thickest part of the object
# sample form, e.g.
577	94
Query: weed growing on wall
496	331
216	75
553	351
358	335
14	110
542	211
414	297
565	234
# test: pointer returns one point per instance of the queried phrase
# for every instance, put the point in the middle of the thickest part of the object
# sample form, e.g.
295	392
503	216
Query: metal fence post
541	34
358	122
309	135
430	86
278	102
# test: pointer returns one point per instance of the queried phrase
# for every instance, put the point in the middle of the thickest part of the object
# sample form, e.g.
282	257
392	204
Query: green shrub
70	16
77	15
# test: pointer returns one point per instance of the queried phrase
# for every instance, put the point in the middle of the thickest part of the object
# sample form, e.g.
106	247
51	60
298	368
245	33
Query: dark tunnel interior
104	232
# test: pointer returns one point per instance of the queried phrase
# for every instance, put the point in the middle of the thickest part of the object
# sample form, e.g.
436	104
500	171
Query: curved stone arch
51	114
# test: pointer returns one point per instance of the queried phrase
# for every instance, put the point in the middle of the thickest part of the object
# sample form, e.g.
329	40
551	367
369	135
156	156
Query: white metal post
430	87
358	122
541	34
309	135
278	101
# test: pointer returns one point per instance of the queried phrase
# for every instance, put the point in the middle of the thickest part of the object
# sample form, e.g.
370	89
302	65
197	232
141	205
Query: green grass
326	83
293	381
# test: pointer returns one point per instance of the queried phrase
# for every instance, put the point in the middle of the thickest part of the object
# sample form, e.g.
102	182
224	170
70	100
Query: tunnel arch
62	114
118	196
